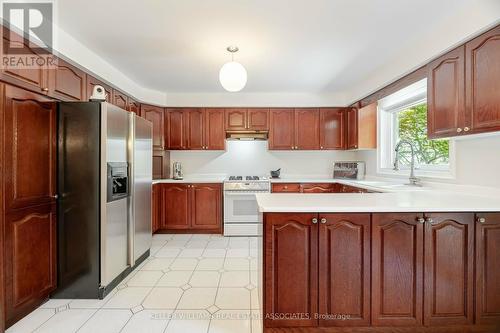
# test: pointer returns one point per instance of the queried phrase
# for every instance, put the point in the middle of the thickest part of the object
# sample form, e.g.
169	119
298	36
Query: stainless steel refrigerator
104	206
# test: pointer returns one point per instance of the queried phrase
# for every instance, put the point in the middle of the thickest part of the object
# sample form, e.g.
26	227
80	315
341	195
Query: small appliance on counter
177	167
349	170
275	173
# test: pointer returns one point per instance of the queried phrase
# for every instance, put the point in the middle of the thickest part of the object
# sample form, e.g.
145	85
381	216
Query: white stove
241	213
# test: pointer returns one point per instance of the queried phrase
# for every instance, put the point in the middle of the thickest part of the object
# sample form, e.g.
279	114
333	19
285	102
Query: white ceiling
315	46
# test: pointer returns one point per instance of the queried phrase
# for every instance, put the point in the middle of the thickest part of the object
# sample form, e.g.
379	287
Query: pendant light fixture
233	76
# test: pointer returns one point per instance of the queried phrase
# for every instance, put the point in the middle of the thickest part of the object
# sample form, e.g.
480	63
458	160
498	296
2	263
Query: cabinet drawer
286	188
318	188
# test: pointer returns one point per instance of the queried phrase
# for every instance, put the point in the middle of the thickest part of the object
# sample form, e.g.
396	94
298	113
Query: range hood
246	135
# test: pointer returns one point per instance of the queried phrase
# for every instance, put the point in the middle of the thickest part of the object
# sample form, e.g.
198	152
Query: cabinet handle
314	220
323	220
55	196
466	129
321	147
481	219
45	89
285	187
429	220
459	130
420	220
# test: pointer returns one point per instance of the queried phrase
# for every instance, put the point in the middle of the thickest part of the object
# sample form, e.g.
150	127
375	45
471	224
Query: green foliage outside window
413	127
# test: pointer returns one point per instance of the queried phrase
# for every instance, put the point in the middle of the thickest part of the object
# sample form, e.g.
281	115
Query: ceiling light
233	76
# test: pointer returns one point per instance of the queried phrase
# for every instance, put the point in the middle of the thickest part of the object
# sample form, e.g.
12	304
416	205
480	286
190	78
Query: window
403	116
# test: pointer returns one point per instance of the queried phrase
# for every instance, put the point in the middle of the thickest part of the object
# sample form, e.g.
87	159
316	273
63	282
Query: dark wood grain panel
282	129
156	116
206	206
175	132
397	258
120	99
332	128
352	128
2	218
448	261
67	83
258	119
176	212
161	164
134	106
236	119
285	188
344	269
318	188
307	129
291	270
194	123
215	136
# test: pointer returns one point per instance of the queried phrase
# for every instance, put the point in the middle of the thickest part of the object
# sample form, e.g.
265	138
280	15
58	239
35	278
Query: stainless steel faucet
414	181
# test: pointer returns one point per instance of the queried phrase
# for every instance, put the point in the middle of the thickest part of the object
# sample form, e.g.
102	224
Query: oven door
240	207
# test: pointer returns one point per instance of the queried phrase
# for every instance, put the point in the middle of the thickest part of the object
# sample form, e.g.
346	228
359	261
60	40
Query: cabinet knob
55	196
481	219
321	147
420	220
429	220
466	129
285	187
459	130
45	89
323	220
314	220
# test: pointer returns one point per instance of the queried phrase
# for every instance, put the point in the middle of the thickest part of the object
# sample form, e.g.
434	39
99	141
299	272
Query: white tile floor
191	283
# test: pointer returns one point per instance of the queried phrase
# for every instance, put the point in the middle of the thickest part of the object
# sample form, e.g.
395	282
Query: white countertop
407	201
192	179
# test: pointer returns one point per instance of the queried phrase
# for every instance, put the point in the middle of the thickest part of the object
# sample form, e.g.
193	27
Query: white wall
477	161
254	158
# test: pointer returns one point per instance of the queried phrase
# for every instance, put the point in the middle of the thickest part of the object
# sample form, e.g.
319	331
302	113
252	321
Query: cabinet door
236	119
161	164
445	95
32	79
195	128
155	115
282	129
290	269
317	188
344	269
215	136
30	249
30	148
397	256
483	83
176	210
332	128
155	207
285	188
67	83
352	128
258	119
206	206
448	262
133	106
120	99
176	129
307	132
488	268
92	81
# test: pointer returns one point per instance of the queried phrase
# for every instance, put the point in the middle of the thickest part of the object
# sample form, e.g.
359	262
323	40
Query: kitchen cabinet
195	129
66	82
290	269
449	270
161	164
482	66
285	188
307	129
191	207
362	127
351	189
445	95
120	99
254	119
344	269
332	128
133	106
29	206
397	269
155	114
282	129
318	188
487	268
315	188
92	81
156	212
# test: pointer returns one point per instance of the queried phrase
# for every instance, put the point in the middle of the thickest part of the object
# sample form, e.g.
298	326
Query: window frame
387	109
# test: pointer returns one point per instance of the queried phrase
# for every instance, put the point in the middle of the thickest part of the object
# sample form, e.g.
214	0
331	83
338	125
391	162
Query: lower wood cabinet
315	188
189	207
155	207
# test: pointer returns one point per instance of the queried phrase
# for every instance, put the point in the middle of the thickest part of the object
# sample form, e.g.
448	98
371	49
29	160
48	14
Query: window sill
425	174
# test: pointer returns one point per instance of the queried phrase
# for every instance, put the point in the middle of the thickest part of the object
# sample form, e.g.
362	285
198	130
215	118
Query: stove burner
235	178
252	177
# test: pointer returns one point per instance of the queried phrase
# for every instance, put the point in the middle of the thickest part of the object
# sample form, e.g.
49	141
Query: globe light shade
233	76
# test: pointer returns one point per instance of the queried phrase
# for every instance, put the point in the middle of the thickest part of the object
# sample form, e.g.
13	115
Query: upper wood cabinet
120	99
463	88
307	129
134	106
67	83
345	287
155	114
482	85
195	129
487	268
397	270
332	128
449	269
254	119
362	127
92	81
445	94
282	129
291	270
